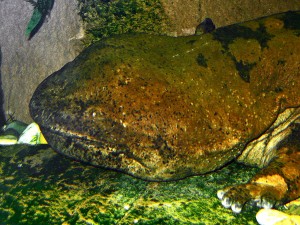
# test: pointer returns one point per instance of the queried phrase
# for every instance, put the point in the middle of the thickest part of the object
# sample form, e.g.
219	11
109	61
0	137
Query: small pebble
126	207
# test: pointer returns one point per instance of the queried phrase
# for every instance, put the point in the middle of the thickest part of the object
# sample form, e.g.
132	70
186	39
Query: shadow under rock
2	116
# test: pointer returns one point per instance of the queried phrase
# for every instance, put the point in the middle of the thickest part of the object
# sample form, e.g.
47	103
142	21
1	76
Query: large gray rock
26	63
184	17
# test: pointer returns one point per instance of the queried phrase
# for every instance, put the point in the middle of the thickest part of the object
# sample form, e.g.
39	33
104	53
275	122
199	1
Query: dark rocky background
2	116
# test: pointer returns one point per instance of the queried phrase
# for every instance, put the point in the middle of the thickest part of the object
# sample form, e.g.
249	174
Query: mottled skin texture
164	108
275	184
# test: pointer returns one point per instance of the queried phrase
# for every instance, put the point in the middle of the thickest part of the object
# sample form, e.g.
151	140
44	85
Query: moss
106	18
73	193
42	9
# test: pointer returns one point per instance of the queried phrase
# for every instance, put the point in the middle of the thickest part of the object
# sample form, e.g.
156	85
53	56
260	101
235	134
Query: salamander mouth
95	152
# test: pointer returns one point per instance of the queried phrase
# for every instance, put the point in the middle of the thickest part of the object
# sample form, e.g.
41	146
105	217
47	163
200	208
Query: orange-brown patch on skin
292	166
276	181
281	178
291	172
273	24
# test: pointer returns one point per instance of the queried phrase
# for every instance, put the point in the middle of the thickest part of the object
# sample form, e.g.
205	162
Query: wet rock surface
185	17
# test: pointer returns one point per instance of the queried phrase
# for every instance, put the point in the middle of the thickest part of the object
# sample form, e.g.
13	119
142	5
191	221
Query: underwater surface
40	186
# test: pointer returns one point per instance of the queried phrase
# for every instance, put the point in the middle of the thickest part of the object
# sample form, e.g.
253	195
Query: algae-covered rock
107	18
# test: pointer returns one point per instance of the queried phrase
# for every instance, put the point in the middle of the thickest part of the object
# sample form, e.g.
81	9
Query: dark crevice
2	115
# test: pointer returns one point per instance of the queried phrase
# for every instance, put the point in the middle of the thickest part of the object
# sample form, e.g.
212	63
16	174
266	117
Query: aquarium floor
39	186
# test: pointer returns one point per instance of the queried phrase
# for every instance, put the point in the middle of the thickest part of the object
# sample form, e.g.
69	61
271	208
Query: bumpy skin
164	108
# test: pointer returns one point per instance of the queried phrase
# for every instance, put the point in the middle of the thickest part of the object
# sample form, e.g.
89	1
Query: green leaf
34	22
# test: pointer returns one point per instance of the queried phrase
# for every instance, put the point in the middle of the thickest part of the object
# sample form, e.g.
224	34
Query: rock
275	217
26	63
184	18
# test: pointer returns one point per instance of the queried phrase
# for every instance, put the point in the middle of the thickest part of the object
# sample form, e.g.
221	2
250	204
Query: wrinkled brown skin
164	108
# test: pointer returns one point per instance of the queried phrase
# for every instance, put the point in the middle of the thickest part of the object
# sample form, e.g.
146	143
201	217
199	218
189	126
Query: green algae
62	191
106	18
42	9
